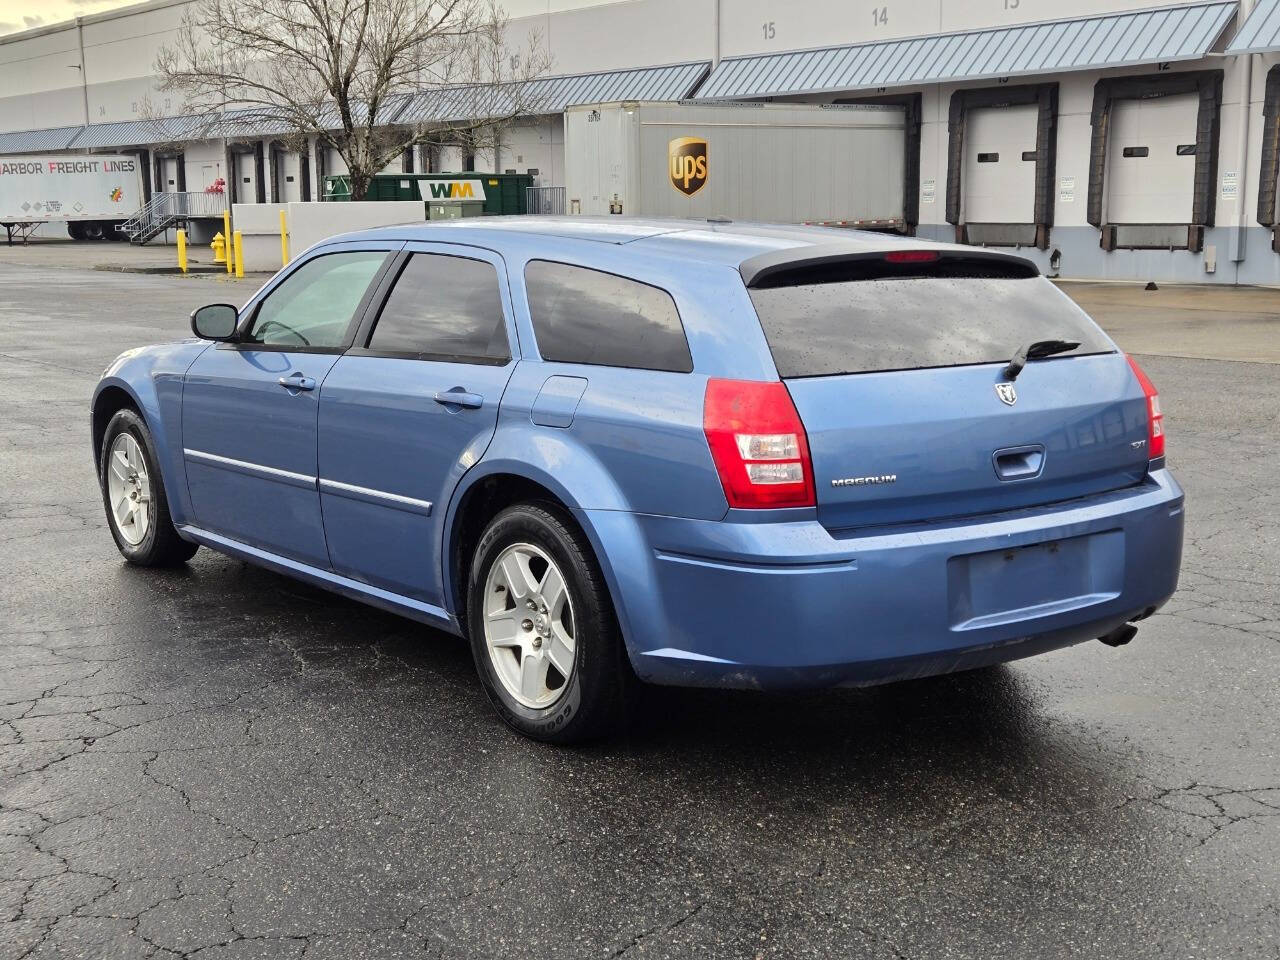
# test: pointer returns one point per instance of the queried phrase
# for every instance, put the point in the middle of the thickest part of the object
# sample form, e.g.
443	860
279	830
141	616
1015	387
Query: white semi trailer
89	194
785	163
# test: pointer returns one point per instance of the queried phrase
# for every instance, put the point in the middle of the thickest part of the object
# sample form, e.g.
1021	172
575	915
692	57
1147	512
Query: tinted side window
445	307
587	316
314	305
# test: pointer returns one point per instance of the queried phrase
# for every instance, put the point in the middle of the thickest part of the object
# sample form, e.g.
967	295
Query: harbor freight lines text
19	168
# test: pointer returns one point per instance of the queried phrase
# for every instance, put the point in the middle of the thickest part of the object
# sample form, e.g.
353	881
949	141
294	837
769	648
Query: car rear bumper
787	604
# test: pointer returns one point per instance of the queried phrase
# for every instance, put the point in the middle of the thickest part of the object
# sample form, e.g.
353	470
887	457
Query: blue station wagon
687	453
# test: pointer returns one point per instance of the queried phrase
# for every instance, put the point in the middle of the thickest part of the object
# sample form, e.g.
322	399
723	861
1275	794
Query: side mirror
217	321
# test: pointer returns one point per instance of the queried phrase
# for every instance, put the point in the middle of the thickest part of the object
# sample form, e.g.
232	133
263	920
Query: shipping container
772	162
501	193
90	194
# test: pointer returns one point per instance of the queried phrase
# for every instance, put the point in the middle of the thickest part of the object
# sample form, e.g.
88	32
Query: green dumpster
504	193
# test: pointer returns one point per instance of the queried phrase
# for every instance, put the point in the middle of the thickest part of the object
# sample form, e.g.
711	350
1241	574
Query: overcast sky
25	14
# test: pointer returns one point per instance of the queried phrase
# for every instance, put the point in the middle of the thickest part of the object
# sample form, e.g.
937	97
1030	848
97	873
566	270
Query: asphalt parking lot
218	762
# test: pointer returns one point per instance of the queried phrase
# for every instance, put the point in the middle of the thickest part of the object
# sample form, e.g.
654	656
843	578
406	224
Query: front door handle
296	381
457	397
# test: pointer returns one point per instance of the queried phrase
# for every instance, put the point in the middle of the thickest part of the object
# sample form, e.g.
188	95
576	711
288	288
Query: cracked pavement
217	762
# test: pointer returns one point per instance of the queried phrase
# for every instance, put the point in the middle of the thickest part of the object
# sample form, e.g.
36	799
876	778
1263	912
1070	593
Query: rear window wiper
1035	351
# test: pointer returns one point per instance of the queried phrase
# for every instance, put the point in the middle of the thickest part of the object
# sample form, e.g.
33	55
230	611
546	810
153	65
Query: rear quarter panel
635	445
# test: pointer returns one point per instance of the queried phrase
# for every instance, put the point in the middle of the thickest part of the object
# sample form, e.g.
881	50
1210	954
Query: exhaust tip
1119	636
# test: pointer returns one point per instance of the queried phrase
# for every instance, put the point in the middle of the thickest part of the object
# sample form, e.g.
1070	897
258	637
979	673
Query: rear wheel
133	494
543	631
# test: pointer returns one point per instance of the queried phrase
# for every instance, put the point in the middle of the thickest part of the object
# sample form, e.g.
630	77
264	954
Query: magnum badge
688	161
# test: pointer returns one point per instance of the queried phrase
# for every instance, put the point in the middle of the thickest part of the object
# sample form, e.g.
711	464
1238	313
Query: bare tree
369	78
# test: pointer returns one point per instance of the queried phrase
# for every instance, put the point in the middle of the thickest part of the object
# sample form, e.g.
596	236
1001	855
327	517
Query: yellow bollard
182	250
238	246
284	240
226	236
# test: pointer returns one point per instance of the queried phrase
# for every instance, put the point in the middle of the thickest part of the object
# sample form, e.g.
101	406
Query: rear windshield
905	323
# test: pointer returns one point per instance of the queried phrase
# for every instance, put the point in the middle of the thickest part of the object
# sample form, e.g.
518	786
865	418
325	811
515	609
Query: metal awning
140	133
1159	35
553	94
244	122
1261	30
542	96
38	141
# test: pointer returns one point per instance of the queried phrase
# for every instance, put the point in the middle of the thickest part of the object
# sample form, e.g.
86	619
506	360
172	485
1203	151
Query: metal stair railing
545	200
141	221
165	210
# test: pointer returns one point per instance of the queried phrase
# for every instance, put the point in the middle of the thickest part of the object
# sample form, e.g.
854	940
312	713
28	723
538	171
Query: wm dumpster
501	193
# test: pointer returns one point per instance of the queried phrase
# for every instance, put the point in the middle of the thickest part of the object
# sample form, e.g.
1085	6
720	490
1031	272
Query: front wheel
133	495
543	630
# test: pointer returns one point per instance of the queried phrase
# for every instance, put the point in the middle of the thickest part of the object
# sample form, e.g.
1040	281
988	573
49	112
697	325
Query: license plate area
1034	581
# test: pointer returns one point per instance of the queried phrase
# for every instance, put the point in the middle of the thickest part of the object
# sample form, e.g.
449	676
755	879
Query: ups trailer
90	195
495	194
786	163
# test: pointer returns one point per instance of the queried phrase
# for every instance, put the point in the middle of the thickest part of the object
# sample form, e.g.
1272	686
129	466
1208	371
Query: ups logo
687	157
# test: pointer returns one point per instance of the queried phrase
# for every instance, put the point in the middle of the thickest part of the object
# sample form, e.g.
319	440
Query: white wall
40	76
588	36
819	23
259	227
536	144
309	223
39	79
205	162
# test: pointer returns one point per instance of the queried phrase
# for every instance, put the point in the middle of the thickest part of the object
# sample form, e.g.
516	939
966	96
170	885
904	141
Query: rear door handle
296	381
457	397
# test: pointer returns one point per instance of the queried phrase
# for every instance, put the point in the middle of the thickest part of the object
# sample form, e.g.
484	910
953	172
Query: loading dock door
1151	160
246	180
999	184
290	177
168	175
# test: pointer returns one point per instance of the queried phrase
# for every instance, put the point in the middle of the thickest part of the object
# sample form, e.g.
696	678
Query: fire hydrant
219	246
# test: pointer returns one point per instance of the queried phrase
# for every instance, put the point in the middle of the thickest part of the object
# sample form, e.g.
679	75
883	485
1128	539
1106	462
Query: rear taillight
1155	418
758	444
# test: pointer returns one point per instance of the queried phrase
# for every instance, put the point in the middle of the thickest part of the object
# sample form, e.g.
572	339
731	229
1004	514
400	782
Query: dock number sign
687	157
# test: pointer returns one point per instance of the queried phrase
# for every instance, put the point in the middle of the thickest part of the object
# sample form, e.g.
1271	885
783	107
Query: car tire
133	496
519	622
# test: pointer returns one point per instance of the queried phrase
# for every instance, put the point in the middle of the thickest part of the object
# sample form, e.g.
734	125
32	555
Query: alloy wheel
529	625
128	489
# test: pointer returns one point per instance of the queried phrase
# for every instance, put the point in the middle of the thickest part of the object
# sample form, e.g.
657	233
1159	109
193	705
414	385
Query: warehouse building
1128	140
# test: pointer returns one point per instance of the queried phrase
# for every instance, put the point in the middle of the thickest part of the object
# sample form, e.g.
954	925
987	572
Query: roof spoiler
759	270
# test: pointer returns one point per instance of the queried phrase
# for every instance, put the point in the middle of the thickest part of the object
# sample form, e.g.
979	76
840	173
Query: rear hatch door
898	373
